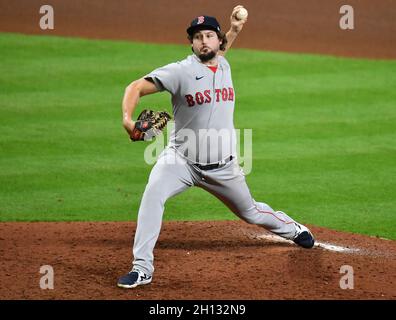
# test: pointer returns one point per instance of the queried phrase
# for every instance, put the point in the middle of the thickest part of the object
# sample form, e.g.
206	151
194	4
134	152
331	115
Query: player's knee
154	193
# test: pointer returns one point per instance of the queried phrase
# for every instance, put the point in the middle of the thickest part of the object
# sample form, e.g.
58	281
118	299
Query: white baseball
242	14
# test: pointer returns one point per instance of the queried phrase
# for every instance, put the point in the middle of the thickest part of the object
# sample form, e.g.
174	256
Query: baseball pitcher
202	147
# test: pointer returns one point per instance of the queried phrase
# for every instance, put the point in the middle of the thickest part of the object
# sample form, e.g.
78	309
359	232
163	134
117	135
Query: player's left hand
149	124
236	25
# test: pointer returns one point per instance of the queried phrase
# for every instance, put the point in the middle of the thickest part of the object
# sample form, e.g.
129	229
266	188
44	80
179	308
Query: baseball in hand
242	14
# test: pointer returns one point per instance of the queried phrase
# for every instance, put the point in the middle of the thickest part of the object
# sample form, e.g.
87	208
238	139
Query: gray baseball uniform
203	105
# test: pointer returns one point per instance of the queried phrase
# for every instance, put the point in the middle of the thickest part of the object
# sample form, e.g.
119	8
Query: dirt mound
287	25
194	260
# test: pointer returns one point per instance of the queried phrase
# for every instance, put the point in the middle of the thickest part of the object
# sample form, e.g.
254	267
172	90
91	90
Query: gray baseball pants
171	175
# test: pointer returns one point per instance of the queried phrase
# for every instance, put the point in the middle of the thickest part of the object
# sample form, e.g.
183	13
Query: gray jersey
203	107
202	101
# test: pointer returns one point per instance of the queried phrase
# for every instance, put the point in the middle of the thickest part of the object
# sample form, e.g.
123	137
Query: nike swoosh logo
198	78
145	277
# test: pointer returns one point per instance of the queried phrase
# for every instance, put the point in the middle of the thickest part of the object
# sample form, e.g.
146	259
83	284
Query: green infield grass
324	134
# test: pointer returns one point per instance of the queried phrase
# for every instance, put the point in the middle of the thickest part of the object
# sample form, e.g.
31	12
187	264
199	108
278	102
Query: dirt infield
279	25
194	260
202	260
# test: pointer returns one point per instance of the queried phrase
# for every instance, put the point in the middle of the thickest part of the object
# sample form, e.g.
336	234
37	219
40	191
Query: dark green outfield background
323	134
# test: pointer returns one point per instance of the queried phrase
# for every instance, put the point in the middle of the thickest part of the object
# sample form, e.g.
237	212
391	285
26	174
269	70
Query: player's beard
205	57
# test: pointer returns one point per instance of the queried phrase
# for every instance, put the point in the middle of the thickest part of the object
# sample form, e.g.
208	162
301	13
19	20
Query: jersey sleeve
166	77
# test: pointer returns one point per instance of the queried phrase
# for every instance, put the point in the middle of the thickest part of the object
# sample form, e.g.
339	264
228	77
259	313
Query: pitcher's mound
193	260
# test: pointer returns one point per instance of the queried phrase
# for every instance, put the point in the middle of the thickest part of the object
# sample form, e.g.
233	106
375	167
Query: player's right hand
236	25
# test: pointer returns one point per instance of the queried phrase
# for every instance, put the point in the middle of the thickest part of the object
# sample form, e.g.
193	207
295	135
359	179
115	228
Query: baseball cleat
304	237
133	279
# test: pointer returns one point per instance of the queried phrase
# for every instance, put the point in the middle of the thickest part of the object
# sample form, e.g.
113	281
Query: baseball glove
149	124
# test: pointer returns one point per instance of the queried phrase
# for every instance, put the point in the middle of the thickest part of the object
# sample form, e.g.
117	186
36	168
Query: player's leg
166	179
229	185
169	176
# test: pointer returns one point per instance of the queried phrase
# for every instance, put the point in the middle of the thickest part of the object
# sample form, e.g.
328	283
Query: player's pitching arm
133	92
236	27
